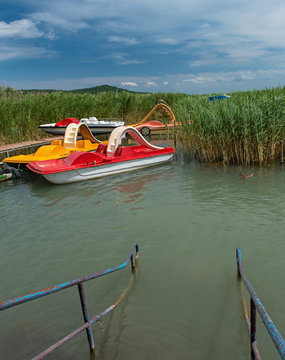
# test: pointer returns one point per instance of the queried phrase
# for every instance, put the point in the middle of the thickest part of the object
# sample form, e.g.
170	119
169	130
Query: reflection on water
113	332
135	187
188	218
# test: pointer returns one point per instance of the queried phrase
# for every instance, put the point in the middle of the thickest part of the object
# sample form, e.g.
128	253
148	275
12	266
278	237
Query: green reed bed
21	114
246	129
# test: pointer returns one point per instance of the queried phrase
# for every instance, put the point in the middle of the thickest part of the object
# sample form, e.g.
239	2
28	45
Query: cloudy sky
190	46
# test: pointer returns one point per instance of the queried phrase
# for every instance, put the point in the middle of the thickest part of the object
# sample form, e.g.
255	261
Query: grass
21	114
246	129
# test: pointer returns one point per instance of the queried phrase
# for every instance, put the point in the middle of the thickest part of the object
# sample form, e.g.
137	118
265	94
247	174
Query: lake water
188	219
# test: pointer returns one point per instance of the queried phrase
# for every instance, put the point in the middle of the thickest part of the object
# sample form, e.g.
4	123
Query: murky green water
188	220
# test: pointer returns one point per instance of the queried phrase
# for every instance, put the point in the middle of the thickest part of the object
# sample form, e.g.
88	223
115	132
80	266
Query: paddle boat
153	126
147	126
102	126
96	126
108	159
59	149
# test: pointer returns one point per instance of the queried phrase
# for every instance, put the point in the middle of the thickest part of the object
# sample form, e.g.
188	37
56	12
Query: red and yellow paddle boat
106	160
59	149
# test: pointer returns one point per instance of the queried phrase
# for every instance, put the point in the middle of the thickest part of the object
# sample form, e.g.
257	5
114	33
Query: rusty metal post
239	264
86	317
281	153
137	254
132	263
135	260
252	327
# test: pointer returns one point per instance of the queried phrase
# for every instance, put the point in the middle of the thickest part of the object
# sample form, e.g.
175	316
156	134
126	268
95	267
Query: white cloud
168	41
124	40
20	53
130	62
271	77
262	22
24	28
122	59
200	79
240	30
150	83
205	62
60	21
128	83
213	38
256	19
188	83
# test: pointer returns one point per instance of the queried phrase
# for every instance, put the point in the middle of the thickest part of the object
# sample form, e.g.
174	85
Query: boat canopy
72	131
161	104
120	132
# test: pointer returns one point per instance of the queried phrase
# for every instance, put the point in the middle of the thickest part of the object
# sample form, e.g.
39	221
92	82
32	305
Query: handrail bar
256	304
77	331
87	322
35	295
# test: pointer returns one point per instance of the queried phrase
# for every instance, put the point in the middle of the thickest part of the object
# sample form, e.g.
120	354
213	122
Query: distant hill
91	90
101	88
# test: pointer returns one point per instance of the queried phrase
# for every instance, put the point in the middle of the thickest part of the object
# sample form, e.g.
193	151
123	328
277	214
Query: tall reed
21	114
246	129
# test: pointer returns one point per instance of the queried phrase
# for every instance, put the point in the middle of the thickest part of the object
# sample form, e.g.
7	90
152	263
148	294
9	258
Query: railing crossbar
35	295
73	333
87	322
256	304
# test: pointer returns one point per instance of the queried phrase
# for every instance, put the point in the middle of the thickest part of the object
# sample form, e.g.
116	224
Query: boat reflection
135	187
130	187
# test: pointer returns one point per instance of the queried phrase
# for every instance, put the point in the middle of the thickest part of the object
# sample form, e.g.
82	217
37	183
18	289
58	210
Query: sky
180	46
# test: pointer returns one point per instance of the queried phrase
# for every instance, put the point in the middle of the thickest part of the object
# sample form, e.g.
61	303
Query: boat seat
101	149
80	144
104	150
118	152
57	142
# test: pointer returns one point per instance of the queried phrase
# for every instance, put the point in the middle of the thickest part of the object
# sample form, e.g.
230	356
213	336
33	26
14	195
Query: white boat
106	160
96	126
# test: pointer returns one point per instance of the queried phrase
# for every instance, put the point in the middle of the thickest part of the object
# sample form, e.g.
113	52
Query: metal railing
79	282
255	304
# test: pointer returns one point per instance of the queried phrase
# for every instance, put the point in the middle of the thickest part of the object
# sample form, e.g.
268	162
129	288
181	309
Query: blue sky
189	46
